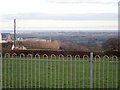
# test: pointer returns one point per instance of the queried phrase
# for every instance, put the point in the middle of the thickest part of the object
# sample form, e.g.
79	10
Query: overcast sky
59	14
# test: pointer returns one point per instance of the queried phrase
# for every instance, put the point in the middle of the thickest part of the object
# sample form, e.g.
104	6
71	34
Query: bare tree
111	45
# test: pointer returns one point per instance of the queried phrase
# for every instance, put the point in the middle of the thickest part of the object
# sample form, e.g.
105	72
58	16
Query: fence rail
28	71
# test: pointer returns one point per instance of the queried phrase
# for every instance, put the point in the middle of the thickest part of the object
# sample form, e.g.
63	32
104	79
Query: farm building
6	41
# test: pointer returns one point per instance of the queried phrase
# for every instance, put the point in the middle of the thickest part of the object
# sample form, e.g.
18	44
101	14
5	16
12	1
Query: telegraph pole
49	38
14	33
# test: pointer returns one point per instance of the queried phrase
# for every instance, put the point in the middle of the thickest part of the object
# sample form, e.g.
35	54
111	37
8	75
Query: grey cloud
42	16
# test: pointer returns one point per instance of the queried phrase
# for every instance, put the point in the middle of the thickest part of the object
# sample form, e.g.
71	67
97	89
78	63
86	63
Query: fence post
0	61
91	59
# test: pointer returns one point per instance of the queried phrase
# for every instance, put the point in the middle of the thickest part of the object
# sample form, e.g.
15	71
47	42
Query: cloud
59	25
36	6
43	16
83	1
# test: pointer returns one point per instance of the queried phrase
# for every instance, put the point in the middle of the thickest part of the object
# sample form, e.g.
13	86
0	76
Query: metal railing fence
28	71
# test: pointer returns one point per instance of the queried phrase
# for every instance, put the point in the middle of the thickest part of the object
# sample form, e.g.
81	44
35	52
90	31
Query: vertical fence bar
46	71
12	72
55	72
8	72
31	74
37	57
1	71
59	73
112	72
14	58
71	75
83	73
39	72
95	72
91	58
116	72
35	73
29	58
87	70
62	71
51	73
99	72
103	72
67	70
24	71
22	57
75	72
4	72
16	71
54	69
20	71
5	69
27	71
21	76
108	72
79	71
0	61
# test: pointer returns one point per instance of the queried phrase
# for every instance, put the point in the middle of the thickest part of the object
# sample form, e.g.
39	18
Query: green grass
57	74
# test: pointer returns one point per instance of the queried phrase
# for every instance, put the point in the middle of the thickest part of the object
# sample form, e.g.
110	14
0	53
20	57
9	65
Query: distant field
80	37
26	73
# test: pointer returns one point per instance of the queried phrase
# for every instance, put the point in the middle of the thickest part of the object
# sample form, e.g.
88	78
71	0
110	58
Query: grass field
51	73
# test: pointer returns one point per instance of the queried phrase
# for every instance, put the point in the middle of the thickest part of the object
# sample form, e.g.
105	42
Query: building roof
4	35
